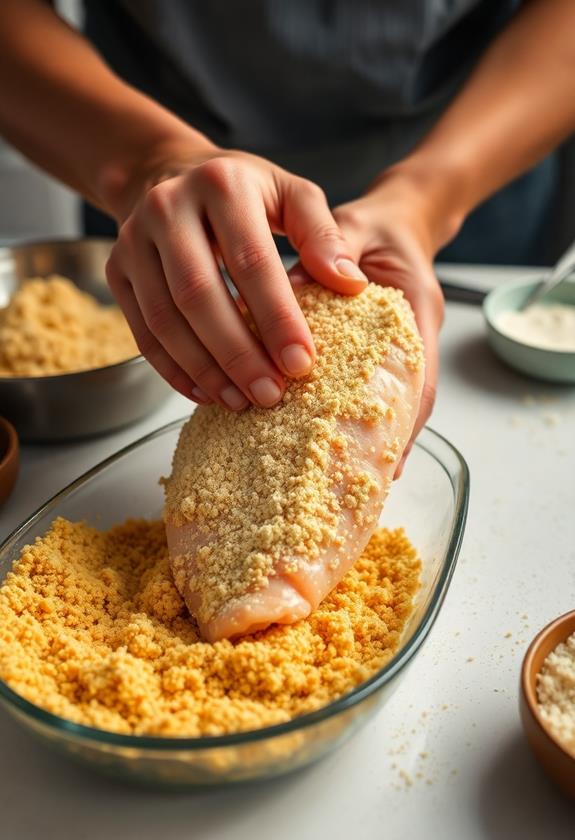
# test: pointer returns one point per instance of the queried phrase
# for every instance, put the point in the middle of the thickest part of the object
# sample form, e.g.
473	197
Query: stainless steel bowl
90	402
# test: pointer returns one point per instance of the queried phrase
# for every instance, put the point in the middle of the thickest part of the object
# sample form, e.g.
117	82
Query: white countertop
445	757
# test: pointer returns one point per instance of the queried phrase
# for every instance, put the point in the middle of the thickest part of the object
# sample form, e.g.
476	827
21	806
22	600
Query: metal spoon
562	269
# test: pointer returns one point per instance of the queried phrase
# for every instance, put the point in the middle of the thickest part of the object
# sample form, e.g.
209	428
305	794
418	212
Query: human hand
392	235
165	275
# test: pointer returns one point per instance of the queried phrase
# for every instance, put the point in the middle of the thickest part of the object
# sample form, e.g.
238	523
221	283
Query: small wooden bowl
555	760
9	459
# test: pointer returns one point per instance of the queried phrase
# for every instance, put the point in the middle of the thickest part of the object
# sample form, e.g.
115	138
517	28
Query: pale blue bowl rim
512	285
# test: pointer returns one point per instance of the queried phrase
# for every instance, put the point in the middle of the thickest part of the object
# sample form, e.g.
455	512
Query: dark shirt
334	90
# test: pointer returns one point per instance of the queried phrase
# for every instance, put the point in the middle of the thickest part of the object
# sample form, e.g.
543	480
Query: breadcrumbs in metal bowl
93	630
52	327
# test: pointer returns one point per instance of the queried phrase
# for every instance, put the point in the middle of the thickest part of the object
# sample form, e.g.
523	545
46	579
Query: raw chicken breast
266	510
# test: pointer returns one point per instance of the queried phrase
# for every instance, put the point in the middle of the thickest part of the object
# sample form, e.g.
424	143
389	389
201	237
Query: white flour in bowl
547	326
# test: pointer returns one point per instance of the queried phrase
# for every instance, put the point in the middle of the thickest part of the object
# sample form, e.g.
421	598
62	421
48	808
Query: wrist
430	194
121	184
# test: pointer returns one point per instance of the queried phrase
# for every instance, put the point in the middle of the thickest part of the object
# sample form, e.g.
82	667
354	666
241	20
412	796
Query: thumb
323	249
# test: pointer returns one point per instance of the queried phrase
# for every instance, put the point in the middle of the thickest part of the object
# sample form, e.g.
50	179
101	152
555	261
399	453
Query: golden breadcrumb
51	327
264	486
93	629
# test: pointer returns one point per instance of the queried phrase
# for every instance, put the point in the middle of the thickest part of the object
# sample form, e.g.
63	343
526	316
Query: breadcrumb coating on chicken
264	487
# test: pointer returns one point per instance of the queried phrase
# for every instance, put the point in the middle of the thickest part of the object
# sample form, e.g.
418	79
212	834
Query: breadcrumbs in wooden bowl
93	630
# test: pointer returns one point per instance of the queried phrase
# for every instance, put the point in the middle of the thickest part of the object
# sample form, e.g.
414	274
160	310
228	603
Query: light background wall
32	205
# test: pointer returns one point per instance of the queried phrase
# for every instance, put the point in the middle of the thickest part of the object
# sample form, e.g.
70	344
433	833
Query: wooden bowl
9	458
555	760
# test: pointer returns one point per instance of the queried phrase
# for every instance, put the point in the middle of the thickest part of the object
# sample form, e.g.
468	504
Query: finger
426	320
314	233
427	303
423	292
401	466
298	276
199	292
151	348
167	324
253	262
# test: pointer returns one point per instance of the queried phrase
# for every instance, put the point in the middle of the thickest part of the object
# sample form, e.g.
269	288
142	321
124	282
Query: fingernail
349	269
298	278
233	397
296	360
265	391
200	395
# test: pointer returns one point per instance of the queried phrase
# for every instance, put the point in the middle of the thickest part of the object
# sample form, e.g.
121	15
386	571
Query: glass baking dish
430	502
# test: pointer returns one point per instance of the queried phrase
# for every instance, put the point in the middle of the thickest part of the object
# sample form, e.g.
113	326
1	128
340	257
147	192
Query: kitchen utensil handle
560	272
462	294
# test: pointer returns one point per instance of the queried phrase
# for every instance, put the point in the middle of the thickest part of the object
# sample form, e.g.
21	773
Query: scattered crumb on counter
405	776
93	629
411	754
50	327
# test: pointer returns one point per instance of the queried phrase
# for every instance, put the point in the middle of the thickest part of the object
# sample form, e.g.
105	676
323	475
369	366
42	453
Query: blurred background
32	205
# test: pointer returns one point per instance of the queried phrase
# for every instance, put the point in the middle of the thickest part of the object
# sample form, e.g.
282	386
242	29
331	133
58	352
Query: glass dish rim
346	701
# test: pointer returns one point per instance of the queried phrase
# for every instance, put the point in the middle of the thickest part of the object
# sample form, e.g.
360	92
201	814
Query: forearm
65	110
517	106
